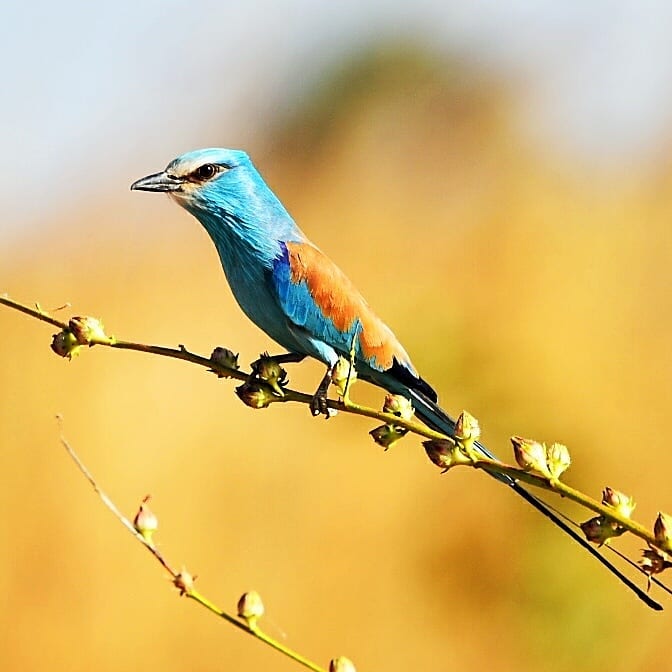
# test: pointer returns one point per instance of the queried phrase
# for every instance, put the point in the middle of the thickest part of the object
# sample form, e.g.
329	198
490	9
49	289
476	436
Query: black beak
157	182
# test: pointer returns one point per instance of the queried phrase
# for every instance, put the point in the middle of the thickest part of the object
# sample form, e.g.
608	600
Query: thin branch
36	312
182	580
88	331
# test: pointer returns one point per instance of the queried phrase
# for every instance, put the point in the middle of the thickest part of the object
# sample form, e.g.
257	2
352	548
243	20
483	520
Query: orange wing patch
340	301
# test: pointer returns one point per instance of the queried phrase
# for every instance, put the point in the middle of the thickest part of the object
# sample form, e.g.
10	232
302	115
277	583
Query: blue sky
91	88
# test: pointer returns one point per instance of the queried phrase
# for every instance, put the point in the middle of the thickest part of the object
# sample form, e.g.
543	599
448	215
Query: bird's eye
205	172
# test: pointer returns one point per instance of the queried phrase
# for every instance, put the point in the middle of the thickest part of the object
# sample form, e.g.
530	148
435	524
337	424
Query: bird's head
224	191
205	180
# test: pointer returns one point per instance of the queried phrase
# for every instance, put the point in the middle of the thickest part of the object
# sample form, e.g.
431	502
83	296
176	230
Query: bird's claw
319	406
319	403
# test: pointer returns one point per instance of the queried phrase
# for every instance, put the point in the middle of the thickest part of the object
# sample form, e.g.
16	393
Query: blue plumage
303	313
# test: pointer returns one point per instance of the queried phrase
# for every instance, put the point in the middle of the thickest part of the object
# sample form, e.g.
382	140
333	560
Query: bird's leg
318	404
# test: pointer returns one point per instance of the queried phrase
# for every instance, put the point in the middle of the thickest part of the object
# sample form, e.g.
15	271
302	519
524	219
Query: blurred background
494	176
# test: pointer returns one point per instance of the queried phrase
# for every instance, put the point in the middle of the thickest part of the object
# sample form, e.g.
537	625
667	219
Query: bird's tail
436	418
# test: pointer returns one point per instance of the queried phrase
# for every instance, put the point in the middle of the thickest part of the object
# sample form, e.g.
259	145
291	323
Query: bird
302	300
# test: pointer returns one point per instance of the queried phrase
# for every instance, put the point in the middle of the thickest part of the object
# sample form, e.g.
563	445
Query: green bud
266	368
255	394
250	608
654	561
223	357
64	344
341	664
530	455
145	522
600	529
557	460
467	429
87	330
662	531
623	504
184	582
444	453
398	405
386	435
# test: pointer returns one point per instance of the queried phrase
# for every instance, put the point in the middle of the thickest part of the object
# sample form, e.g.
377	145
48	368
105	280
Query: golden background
526	291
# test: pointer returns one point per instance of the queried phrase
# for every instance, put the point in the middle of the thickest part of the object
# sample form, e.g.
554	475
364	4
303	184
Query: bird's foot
319	403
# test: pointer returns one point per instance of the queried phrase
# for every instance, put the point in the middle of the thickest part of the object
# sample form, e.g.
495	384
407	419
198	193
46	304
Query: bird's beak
157	182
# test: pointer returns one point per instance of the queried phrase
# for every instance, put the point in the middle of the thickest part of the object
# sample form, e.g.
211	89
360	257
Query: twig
182	579
88	331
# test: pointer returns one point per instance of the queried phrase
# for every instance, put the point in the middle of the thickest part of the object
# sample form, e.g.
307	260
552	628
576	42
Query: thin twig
347	406
185	585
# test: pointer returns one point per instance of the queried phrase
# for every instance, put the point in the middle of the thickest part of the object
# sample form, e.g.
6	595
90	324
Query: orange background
525	290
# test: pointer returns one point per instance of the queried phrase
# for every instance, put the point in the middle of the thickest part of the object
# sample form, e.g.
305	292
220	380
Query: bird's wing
317	296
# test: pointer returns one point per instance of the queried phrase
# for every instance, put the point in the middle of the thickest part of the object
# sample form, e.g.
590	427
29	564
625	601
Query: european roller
290	289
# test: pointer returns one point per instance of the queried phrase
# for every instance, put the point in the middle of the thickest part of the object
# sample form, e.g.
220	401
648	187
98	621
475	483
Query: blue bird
300	298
